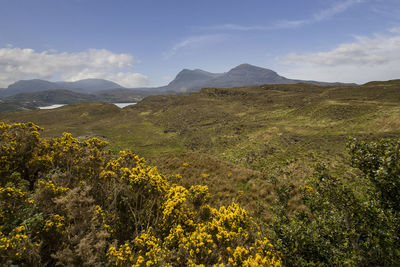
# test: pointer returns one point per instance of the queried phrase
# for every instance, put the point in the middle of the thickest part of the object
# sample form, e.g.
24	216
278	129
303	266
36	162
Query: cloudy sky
147	42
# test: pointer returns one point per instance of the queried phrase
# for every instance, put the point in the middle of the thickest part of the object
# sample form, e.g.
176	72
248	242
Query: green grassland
239	141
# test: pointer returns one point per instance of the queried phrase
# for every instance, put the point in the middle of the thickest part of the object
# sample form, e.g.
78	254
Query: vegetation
341	223
66	202
278	151
244	138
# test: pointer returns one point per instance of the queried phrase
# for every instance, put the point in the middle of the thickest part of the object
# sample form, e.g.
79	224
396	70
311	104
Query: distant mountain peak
93	79
189	71
248	67
245	65
187	78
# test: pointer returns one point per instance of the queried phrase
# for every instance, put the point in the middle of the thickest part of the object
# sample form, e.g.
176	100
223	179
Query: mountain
37	85
89	85
185	81
242	75
247	75
28	86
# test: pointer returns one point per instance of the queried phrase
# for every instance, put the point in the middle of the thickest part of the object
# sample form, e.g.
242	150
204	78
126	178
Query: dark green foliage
344	224
380	162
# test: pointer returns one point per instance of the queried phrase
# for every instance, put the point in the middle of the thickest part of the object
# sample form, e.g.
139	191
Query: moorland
258	146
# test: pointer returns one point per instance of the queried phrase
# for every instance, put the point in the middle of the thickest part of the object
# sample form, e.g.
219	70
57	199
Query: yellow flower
308	189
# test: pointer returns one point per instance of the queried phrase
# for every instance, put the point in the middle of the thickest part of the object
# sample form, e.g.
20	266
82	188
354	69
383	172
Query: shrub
342	223
70	202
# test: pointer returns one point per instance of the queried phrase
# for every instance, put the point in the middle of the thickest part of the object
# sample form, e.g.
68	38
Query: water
120	105
52	106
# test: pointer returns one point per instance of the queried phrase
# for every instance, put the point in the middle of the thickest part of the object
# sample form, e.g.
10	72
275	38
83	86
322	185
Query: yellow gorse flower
140	217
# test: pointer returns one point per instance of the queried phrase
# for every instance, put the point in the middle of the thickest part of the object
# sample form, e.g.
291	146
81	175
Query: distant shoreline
120	105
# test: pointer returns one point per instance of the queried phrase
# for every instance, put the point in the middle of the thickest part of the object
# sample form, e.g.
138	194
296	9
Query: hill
33	100
89	85
51	96
258	129
242	75
278	150
298	109
36	85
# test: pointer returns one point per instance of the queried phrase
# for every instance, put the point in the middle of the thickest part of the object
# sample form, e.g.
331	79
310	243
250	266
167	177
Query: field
293	156
241	141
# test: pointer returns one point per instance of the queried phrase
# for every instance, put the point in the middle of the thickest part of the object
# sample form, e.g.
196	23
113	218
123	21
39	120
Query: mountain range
81	86
186	80
242	75
31	93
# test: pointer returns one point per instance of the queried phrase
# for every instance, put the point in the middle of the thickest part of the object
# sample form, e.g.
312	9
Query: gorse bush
70	202
74	203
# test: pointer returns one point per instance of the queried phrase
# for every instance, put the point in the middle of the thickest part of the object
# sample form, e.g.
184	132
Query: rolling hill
259	146
258	131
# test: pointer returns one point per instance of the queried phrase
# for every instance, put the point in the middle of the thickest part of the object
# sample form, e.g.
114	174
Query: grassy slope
239	139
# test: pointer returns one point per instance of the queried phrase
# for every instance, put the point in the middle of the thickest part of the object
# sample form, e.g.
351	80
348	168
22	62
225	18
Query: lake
52	106
120	105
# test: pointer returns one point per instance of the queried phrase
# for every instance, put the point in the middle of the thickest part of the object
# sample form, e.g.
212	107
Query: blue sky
146	43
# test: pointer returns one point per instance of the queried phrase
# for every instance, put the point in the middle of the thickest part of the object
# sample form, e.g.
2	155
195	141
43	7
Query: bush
67	202
344	224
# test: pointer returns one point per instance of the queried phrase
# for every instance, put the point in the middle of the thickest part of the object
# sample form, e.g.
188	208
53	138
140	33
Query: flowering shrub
70	202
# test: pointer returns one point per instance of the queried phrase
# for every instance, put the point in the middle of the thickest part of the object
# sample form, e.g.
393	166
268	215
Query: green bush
342	224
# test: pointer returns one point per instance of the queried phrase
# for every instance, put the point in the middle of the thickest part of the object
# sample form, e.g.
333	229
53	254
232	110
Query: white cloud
283	24
194	42
364	59
24	63
235	27
336	8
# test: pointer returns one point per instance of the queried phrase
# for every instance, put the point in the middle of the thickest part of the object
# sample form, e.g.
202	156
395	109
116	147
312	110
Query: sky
145	43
